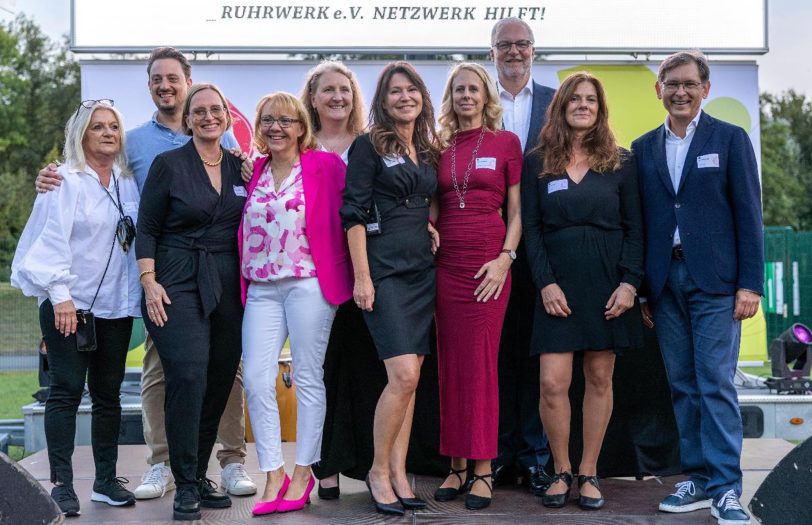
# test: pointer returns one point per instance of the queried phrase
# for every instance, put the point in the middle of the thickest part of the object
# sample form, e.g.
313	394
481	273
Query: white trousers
273	311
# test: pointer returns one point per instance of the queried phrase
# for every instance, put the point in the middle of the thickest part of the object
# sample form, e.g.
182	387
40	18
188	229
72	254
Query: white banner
633	107
445	26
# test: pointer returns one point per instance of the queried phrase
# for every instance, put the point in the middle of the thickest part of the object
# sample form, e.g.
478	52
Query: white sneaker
155	482
235	480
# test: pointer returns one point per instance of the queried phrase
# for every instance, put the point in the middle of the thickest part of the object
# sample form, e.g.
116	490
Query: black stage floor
629	502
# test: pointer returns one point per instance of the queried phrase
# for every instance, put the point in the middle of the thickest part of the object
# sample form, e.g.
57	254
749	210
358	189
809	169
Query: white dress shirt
676	149
66	242
516	110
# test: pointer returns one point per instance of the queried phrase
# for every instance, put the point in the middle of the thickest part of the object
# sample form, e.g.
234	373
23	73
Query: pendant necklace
461	194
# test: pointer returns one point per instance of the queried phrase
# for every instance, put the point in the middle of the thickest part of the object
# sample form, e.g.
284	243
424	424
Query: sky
784	67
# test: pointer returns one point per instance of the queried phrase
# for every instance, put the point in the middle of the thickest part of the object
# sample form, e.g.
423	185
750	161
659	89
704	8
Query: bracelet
145	272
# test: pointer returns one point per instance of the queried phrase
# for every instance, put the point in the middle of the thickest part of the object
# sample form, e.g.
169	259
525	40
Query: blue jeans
699	340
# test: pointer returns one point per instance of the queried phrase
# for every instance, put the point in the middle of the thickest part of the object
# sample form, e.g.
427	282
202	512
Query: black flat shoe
474	502
329	492
450	493
556	501
385	508
585	502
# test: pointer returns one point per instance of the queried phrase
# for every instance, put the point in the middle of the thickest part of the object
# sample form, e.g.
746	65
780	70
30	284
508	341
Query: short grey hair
76	128
680	58
510	20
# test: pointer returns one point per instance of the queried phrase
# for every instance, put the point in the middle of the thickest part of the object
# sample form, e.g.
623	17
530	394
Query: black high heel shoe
329	492
449	493
474	502
411	503
585	502
556	501
384	508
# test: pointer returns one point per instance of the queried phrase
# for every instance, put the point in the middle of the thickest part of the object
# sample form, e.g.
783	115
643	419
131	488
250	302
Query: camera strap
113	245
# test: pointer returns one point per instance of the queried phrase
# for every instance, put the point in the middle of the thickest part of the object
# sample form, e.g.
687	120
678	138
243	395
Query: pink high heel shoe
269	507
289	505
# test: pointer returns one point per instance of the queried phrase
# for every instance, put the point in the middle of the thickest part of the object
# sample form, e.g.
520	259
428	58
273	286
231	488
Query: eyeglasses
284	122
673	86
91	103
521	45
216	112
125	232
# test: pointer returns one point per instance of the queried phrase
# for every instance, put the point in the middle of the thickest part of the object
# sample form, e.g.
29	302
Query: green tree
39	89
786	156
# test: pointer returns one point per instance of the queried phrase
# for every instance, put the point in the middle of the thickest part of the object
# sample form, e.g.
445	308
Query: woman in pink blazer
295	270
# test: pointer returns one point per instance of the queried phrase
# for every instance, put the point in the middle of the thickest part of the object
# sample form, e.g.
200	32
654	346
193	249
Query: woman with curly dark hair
391	177
583	230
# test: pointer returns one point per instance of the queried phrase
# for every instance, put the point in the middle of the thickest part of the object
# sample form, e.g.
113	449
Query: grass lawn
15	391
19	322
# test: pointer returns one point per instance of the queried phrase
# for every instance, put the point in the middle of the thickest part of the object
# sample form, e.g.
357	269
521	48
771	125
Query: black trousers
68	368
200	356
521	437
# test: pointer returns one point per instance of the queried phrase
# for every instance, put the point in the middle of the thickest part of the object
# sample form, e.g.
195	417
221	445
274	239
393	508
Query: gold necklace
213	163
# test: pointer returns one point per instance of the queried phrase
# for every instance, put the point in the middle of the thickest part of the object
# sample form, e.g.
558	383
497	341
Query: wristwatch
511	253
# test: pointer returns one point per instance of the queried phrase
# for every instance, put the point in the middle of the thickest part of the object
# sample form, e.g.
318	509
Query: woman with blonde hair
75	255
583	231
295	271
479	169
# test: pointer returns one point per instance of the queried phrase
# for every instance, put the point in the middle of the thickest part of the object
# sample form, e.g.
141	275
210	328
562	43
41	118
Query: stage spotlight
791	359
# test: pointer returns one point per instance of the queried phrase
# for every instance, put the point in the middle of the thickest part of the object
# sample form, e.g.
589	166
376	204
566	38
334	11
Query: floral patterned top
274	230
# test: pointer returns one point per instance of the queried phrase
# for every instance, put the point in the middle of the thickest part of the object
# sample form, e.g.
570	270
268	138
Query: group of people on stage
513	236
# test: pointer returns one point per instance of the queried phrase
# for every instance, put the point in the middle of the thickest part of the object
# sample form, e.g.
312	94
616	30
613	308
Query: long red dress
467	331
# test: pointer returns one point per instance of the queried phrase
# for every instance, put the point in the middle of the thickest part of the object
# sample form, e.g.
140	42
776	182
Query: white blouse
66	242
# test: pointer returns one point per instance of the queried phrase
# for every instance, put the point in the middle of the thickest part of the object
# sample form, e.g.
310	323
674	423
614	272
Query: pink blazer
323	177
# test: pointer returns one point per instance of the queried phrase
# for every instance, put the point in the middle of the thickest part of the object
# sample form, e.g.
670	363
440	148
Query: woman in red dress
480	166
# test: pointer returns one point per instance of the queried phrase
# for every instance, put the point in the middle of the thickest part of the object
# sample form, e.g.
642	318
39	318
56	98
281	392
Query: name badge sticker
557	185
240	191
486	163
130	207
393	160
711	160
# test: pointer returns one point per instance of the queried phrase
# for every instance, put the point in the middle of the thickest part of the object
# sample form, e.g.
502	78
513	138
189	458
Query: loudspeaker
785	497
23	501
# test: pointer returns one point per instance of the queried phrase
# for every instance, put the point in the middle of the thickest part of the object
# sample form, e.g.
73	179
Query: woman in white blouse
75	255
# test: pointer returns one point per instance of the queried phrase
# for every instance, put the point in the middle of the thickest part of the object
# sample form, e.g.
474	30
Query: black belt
677	253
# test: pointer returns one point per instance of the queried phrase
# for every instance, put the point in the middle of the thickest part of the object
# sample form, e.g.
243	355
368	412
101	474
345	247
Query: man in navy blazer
704	274
522	441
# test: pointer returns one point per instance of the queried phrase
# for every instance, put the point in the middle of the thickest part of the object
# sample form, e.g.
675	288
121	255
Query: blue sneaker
687	498
728	511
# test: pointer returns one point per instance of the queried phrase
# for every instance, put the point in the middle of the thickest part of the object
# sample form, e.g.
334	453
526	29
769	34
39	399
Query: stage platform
629	502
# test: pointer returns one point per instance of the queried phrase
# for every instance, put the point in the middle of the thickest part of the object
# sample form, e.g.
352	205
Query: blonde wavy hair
491	113
356	122
287	104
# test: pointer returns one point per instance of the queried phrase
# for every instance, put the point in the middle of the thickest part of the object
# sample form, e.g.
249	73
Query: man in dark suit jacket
704	274
522	442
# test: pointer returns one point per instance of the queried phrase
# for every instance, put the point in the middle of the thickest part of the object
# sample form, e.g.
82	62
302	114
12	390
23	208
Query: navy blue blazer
542	96
717	208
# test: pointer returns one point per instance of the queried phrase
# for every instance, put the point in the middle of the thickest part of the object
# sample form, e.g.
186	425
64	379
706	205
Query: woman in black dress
583	231
187	255
390	180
